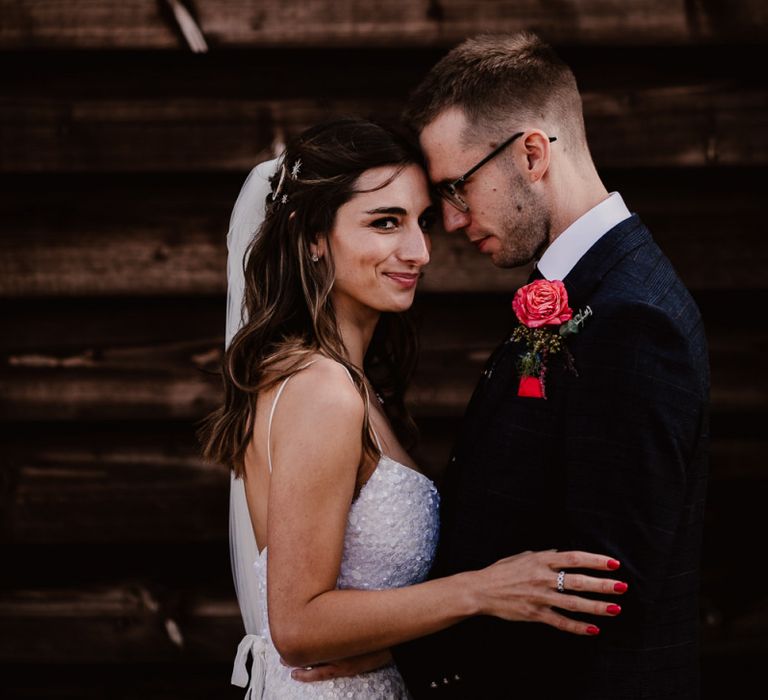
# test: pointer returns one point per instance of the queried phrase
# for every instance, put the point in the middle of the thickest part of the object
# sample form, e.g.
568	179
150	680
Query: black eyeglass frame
449	192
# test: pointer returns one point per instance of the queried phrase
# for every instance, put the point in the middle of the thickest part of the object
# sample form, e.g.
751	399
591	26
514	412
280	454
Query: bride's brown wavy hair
287	306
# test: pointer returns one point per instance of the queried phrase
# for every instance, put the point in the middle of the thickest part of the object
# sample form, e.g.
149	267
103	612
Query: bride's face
380	241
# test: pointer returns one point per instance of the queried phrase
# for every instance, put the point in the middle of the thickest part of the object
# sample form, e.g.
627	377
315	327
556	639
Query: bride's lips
407	280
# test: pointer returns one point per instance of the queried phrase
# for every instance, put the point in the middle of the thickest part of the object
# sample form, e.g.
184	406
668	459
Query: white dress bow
257	645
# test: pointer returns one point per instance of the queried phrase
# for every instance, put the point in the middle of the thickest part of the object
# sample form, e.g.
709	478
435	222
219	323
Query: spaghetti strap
375	434
274	405
272	413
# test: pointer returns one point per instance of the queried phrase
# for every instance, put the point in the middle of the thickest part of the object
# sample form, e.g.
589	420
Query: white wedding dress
390	541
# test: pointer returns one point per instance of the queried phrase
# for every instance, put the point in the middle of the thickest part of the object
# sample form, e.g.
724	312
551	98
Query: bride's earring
316	248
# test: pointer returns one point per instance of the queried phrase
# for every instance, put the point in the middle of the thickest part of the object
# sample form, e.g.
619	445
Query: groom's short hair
497	79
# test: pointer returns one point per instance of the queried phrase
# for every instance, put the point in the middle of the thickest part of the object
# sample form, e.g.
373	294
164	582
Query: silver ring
307	668
561	582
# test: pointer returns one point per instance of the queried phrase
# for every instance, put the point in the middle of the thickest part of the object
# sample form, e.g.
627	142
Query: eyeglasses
449	191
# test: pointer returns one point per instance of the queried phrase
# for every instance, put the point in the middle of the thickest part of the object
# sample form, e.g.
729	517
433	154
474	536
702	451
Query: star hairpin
295	169
279	187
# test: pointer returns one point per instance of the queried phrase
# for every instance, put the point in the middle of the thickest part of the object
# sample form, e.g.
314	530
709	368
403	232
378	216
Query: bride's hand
343	667
524	588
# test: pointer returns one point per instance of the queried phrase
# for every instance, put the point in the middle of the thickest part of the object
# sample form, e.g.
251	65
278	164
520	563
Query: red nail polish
613	564
613	609
620	587
593	630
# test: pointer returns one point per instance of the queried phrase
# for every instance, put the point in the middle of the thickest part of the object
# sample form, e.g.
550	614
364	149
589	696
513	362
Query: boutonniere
546	321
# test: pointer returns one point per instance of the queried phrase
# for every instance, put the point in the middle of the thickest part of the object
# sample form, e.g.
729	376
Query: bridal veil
247	217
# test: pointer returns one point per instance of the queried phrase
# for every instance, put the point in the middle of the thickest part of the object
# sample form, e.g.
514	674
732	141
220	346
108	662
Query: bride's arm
316	448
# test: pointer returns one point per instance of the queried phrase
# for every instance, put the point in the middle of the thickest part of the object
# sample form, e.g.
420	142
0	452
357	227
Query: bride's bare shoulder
325	386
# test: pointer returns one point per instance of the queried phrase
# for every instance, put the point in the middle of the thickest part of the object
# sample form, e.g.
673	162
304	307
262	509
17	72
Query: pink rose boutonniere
545	321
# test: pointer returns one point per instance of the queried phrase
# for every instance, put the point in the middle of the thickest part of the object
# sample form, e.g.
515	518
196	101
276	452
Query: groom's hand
343	667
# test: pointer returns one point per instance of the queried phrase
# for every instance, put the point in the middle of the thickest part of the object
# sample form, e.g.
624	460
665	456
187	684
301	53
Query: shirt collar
568	248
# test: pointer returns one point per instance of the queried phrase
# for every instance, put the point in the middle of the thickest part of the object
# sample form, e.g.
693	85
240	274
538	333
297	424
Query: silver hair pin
279	187
295	169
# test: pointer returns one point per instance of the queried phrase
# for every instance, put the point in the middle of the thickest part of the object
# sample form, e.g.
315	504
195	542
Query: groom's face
507	219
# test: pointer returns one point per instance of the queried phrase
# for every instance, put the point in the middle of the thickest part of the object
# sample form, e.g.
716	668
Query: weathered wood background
121	154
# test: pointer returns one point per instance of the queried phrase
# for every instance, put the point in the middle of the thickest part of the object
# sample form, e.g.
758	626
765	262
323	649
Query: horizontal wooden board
138	619
173	591
632	126
72	327
286	73
94	236
193	680
145	24
133	650
127	624
723	675
162	564
130	622
124	623
117	494
116	488
176	381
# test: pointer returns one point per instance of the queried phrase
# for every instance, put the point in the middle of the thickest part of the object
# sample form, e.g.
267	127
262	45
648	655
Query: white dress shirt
568	248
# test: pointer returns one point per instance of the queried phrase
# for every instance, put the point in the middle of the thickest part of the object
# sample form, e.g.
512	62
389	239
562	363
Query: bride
332	527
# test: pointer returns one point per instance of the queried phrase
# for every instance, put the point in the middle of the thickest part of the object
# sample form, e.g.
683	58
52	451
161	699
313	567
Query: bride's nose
415	246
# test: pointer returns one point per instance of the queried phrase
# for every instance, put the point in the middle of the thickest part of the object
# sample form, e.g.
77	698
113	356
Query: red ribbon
531	387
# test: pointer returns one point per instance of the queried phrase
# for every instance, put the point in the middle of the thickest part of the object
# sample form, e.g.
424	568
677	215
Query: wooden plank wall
121	154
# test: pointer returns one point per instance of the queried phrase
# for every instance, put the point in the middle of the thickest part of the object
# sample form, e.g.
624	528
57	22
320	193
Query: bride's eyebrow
388	210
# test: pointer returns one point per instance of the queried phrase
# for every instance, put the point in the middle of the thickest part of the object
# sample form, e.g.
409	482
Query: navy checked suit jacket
614	461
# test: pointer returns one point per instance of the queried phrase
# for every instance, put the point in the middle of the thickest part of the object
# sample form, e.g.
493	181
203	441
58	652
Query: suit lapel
500	374
491	387
586	275
480	403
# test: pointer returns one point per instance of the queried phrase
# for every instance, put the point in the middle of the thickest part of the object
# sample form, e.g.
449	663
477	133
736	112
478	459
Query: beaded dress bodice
390	541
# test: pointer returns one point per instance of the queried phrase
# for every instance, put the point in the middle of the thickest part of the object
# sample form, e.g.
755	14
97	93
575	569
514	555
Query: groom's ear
537	151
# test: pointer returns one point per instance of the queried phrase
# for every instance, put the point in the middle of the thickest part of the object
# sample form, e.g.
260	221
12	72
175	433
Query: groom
613	460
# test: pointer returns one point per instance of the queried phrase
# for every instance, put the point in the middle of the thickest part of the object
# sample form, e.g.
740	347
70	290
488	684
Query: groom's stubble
524	225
